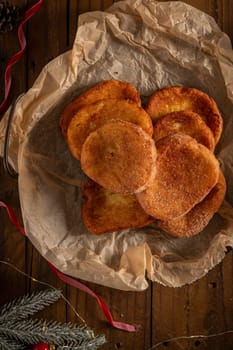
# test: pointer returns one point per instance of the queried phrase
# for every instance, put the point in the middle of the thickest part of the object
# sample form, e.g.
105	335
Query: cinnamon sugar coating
199	216
119	156
176	98
186	173
92	116
184	122
103	90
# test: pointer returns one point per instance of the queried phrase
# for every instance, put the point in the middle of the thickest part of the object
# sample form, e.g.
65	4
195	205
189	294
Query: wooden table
204	307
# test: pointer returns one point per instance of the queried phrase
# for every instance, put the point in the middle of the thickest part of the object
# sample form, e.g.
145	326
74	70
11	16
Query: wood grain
9	237
49	39
12	244
225	16
203	308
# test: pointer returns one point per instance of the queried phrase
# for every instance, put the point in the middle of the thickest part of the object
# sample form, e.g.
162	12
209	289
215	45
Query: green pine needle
29	304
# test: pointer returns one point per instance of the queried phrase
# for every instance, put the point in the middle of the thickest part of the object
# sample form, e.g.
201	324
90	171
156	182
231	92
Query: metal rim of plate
7	167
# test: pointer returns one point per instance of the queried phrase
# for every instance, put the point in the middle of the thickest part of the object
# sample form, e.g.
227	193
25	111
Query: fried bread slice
119	156
199	216
176	98
104	211
90	117
184	122
103	90
186	173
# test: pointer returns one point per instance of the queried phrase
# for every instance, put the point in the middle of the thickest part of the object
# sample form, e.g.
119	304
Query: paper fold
151	45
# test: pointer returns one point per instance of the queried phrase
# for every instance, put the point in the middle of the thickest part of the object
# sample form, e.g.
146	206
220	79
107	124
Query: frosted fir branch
35	331
8	344
94	345
28	305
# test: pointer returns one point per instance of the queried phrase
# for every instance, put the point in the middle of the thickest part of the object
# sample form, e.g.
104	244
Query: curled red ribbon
72	282
28	14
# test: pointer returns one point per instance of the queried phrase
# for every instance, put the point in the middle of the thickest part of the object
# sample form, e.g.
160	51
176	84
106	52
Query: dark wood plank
133	308
198	309
89	309
50	37
74	11
9	45
225	16
227	298
83	6
206	309
95	5
129	307
38	268
170	308
106	4
48	41
12	244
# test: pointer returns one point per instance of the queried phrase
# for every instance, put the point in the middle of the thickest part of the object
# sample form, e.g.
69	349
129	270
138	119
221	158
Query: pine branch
29	304
8	344
17	331
35	331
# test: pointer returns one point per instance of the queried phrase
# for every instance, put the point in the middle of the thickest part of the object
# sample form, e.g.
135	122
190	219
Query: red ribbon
72	282
13	217
28	14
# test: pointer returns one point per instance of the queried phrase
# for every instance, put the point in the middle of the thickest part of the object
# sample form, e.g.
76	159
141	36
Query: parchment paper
151	45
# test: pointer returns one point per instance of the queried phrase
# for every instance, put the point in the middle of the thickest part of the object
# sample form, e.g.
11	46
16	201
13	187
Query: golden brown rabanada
105	211
103	90
91	117
146	164
176	98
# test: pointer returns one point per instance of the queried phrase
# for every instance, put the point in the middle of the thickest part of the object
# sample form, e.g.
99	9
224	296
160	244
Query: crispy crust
102	90
92	116
174	99
104	211
186	173
184	122
119	156
197	218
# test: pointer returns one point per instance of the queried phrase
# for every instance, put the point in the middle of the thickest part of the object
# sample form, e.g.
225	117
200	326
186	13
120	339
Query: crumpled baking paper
150	44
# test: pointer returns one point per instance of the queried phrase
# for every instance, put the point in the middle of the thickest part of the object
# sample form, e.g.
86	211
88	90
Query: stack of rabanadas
144	165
